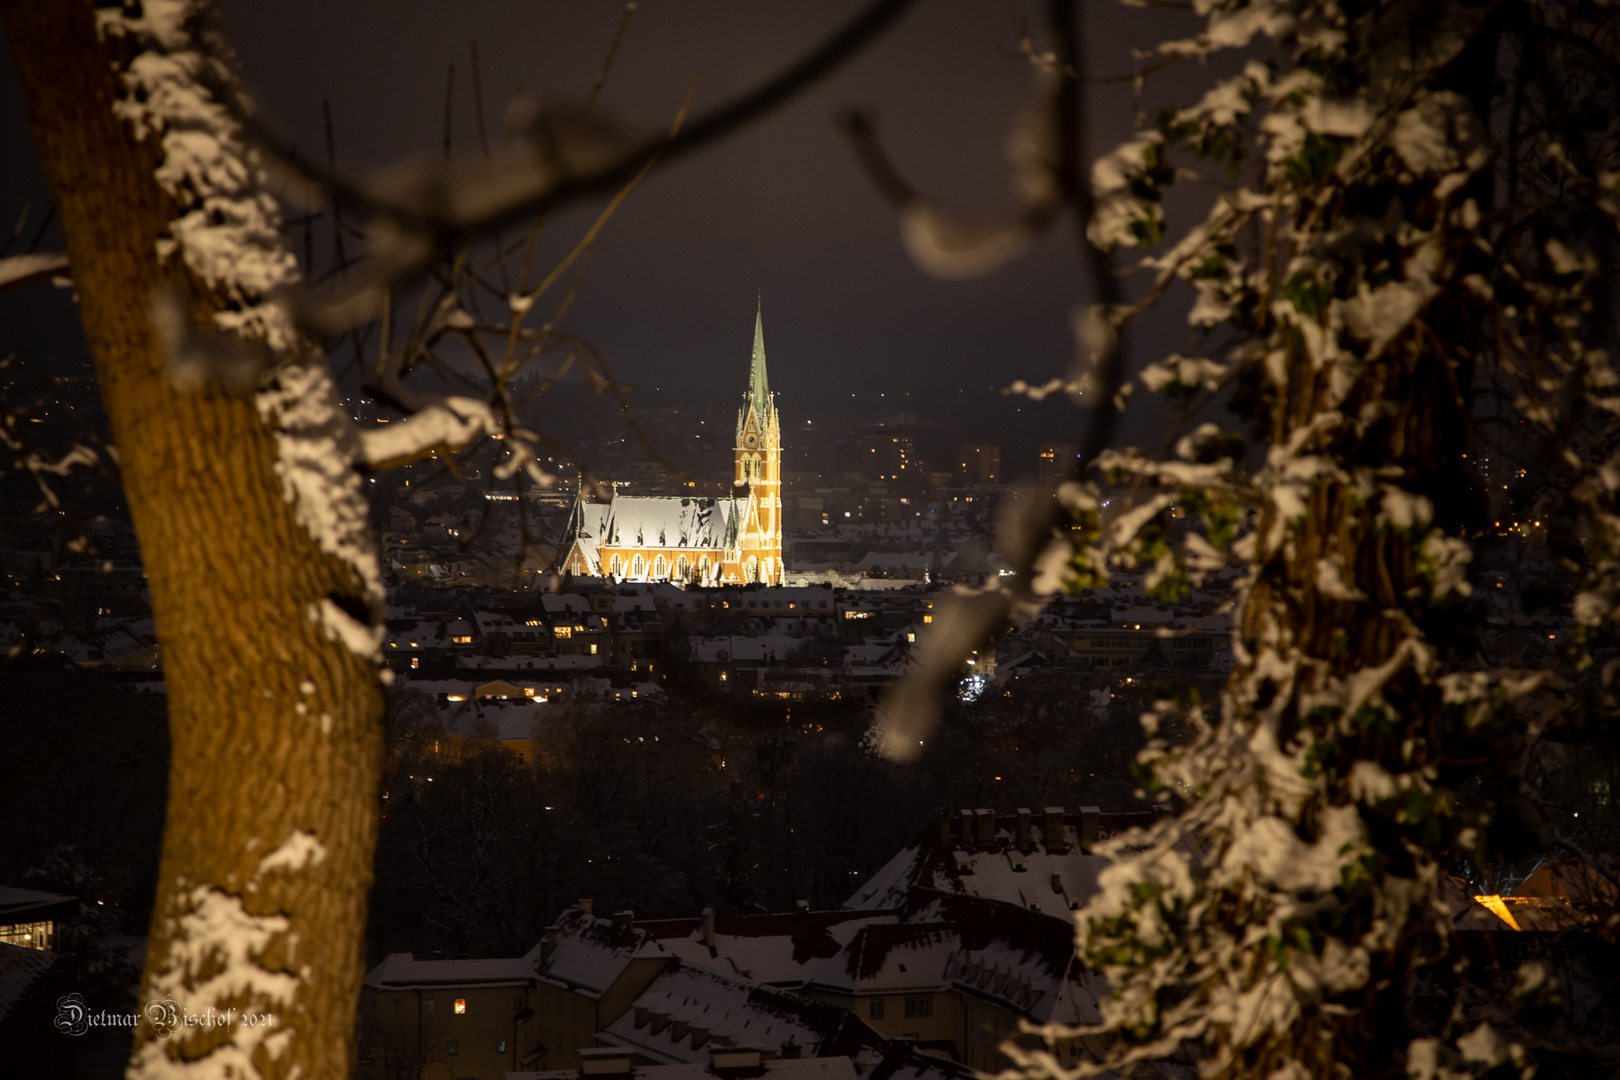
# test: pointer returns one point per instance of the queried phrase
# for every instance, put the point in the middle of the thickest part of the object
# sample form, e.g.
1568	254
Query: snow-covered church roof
668	521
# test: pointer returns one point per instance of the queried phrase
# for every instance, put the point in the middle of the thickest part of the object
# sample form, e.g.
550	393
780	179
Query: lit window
928	618
593	648
461	1006
416	662
563	631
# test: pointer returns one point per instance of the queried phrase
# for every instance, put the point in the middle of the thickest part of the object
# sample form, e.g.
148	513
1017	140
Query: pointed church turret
759	387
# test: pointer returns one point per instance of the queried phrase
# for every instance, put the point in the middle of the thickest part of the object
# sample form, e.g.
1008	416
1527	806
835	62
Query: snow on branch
443	426
21	269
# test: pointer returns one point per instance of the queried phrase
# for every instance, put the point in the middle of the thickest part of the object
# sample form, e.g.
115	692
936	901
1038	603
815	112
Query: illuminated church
733	540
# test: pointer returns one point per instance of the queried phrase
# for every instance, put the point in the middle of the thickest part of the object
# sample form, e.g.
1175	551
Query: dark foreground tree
253	532
1411	227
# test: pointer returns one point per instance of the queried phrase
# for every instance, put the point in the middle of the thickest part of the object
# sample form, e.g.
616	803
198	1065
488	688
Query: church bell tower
758	474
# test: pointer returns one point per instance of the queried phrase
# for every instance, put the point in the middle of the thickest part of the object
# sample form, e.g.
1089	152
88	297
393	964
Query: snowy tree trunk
252	529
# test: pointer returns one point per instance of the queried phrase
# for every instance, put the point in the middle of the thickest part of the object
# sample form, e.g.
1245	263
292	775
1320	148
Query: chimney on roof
584	904
966	818
1023	829
986	821
708	928
1090	822
1055	844
624	918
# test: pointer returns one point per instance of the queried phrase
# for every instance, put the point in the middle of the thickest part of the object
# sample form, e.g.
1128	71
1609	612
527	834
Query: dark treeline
661	807
668	807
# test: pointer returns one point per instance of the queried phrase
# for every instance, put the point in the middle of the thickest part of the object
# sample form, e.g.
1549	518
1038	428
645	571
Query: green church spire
759	387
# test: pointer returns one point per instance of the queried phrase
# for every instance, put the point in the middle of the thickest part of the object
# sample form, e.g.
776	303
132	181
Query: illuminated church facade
732	540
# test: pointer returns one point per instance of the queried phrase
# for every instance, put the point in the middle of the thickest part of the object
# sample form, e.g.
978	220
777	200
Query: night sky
781	208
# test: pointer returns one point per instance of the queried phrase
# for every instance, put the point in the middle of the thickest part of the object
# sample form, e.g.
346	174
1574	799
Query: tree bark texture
276	728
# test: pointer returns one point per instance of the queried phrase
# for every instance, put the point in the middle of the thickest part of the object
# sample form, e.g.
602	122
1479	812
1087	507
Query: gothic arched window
683	569
703	569
660	568
752	571
617	567
638	567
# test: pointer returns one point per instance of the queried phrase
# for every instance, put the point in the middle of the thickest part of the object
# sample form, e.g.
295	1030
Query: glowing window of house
928	618
461	1005
415	662
593	648
29	935
563	631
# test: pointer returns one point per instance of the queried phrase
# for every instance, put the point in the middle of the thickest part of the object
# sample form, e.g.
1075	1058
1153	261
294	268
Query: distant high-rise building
1056	460
981	463
889	457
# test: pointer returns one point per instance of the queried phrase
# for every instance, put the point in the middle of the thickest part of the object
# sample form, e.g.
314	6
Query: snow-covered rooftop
404	971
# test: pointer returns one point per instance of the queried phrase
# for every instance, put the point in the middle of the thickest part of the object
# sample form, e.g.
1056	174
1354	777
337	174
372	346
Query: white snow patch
216	934
360	639
301	849
20	268
1437	134
228	231
317	444
450	423
953	246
